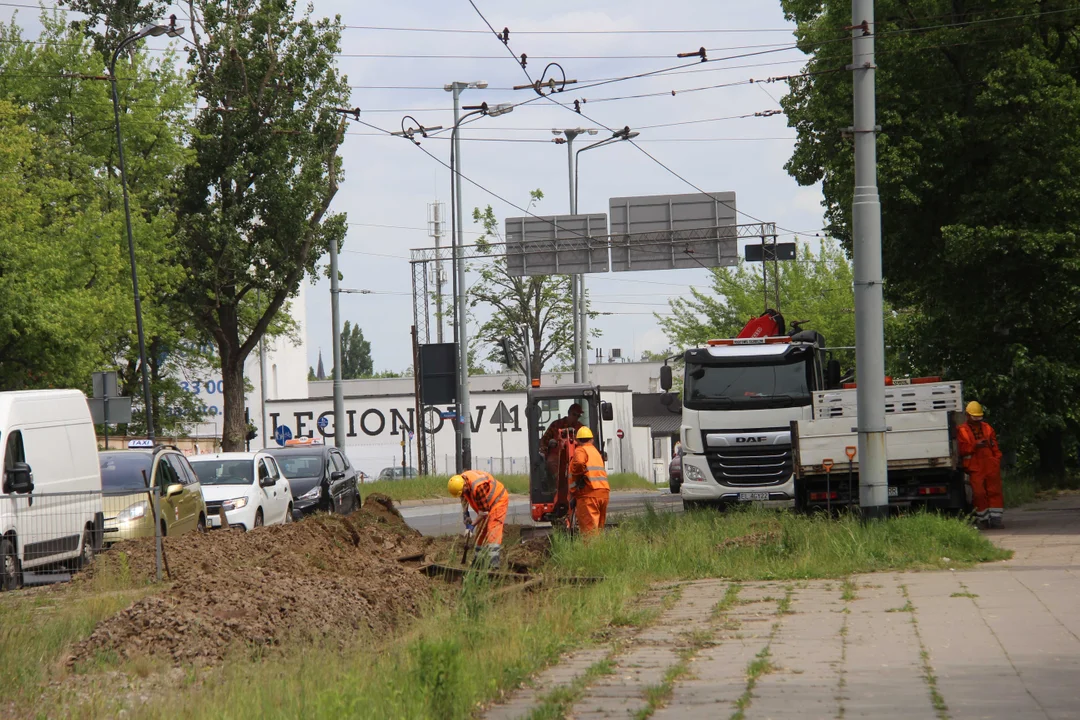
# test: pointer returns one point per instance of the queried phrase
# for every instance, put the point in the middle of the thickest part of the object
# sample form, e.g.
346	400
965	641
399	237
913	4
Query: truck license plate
751	496
893	492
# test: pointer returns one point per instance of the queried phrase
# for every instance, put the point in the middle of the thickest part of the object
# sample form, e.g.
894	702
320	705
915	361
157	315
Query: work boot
997	523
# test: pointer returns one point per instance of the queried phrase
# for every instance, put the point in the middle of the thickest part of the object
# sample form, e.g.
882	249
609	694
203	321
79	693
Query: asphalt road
446	519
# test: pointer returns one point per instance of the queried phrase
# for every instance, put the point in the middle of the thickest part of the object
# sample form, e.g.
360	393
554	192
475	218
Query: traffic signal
507	353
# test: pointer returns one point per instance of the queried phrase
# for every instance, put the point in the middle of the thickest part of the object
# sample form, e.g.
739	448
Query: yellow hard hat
974	409
584	433
456	485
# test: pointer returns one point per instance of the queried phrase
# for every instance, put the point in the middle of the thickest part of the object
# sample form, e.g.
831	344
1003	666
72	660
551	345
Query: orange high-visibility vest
588	473
482	490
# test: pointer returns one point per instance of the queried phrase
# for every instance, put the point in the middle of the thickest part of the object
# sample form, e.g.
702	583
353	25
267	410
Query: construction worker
982	462
572	421
490	499
589	488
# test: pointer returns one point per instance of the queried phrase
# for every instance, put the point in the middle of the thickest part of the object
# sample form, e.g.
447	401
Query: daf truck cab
739	399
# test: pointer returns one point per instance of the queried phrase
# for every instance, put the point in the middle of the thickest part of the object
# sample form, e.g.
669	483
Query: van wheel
87	555
164	529
258	518
201	525
10	577
288	514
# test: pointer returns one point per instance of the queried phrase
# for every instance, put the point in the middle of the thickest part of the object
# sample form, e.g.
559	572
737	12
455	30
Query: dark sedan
321	477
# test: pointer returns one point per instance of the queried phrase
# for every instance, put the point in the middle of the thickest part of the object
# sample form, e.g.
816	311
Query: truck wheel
10	576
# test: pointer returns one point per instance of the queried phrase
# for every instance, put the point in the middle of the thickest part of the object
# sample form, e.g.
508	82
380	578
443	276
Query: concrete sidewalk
998	641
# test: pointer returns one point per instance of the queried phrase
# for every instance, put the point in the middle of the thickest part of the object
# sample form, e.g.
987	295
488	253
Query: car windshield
224	472
125	470
766	385
298	466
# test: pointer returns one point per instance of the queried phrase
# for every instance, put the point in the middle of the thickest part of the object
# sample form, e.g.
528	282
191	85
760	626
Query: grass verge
557	703
757	544
470	646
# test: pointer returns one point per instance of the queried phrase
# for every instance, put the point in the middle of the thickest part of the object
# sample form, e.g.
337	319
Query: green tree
355	353
107	22
254	205
68	309
980	144
533	312
815	287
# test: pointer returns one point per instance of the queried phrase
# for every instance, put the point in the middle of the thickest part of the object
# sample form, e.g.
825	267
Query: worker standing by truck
490	499
589	489
981	456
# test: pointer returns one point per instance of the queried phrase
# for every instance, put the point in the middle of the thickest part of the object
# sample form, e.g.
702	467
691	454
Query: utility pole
335	320
436	231
262	377
866	226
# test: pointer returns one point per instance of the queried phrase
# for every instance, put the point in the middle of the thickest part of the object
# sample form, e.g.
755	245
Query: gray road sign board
105	384
556	245
665	232
112	411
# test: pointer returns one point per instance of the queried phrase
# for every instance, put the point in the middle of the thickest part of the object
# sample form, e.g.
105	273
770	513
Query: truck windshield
758	386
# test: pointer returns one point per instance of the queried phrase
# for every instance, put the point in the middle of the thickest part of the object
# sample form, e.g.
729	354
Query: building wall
376	427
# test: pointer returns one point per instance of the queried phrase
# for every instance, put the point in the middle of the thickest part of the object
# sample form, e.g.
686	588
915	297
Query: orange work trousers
591	513
986	491
491	533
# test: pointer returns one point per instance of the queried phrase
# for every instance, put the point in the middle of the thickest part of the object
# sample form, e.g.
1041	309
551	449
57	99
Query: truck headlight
693	472
312	494
234	504
133	512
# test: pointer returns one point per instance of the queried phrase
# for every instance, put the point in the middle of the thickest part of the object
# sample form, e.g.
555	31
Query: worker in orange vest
589	488
981	456
490	499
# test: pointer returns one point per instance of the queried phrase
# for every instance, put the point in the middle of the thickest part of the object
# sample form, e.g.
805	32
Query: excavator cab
551	446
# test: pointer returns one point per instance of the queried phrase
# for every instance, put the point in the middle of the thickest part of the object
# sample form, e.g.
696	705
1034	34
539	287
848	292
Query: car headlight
234	504
312	494
133	512
693	473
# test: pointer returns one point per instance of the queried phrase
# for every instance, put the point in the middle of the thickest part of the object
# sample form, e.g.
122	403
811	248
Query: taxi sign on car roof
133	444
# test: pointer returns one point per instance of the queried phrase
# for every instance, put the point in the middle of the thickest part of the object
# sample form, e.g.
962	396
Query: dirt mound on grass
324	576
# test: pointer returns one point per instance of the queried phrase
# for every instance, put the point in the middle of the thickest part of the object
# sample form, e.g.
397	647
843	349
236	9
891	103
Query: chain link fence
46	537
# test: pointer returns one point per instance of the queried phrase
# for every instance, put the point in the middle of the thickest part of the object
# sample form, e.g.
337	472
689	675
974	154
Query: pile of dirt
324	576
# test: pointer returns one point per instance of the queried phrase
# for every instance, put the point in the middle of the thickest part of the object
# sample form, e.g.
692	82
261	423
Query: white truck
763	412
920	445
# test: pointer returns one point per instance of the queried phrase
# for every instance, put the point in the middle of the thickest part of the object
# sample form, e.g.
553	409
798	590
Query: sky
389	183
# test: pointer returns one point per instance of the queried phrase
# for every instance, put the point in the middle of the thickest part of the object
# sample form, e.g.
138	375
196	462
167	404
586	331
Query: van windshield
125	470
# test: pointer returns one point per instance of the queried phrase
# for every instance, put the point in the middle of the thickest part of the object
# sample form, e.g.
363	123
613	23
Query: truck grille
771	465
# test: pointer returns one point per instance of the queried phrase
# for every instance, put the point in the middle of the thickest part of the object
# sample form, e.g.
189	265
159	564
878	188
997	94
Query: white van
50	502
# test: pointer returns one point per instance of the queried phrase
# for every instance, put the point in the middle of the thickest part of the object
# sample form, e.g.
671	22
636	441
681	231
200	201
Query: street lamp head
475	84
592	131
632	135
500	109
479	84
153	31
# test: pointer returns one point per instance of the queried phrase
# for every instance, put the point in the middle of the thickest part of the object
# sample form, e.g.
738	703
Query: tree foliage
815	287
254	205
979	153
355	353
533	312
66	306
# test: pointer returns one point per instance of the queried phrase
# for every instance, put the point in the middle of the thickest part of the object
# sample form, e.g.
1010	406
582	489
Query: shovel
469	539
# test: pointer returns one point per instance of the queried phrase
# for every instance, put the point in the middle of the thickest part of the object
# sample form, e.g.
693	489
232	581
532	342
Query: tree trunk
234	431
1051	445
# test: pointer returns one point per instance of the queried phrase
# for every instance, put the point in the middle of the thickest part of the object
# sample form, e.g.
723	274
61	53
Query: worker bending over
490	499
589	488
982	461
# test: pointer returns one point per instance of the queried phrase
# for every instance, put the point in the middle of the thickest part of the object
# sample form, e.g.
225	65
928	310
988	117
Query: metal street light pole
576	281
464	417
866	226
172	30
580	308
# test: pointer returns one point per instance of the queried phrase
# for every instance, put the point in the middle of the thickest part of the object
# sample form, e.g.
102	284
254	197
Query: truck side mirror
606	411
665	377
19	479
832	374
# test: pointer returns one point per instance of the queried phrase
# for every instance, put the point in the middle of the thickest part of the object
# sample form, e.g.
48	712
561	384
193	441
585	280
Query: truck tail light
934	490
825	496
